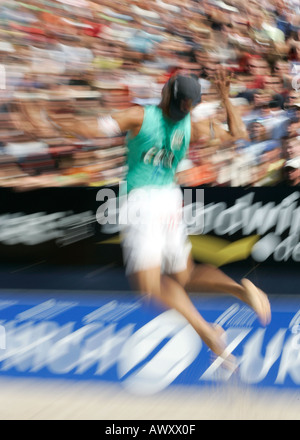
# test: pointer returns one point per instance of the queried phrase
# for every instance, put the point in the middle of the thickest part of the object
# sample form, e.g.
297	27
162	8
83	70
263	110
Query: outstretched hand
222	81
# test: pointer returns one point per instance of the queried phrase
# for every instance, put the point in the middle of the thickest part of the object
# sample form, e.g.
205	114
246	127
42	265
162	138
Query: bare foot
258	300
215	339
267	305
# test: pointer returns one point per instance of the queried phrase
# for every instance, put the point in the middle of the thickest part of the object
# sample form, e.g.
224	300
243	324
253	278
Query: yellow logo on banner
213	250
217	251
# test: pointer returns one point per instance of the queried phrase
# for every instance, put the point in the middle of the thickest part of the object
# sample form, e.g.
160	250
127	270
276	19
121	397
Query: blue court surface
84	323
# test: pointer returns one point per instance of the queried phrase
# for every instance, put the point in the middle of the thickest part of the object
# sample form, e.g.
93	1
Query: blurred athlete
155	245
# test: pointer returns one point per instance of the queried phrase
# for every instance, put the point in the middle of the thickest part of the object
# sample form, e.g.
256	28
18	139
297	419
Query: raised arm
237	128
62	124
102	126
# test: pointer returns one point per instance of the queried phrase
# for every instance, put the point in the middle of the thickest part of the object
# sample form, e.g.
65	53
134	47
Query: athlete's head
179	95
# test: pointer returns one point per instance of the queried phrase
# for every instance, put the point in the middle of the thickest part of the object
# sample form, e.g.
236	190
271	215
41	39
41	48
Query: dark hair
166	95
187	87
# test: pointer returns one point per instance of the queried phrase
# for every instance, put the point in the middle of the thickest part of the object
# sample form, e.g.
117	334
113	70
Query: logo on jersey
163	157
159	157
177	140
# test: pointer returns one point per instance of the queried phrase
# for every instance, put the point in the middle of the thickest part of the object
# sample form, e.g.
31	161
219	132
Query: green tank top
154	154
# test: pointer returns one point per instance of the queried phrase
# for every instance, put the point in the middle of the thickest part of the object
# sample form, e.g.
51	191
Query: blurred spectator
271	163
282	18
291	147
275	85
292	172
293	128
282	68
258	68
292	103
77	58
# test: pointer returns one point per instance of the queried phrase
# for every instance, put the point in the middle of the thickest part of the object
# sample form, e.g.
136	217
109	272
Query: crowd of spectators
92	57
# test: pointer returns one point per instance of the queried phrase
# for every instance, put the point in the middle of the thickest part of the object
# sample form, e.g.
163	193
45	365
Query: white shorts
154	233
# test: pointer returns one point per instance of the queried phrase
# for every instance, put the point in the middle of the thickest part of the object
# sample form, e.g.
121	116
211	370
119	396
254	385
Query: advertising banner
229	225
143	348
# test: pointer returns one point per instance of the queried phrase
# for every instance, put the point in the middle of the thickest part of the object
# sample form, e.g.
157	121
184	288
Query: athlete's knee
185	275
181	278
147	284
188	273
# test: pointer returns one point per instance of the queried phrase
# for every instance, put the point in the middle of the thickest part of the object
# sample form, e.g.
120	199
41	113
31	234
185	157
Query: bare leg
171	294
207	278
